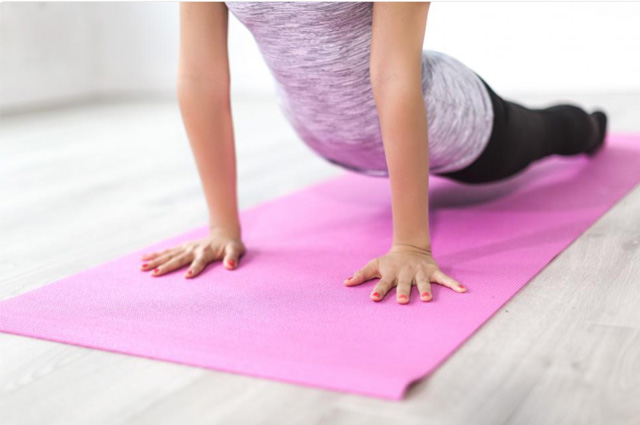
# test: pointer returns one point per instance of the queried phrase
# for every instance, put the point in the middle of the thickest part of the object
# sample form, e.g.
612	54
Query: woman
356	85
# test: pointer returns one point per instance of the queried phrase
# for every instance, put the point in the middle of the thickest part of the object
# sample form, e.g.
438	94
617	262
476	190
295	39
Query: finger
439	277
403	290
380	290
197	266
424	287
368	272
153	255
232	256
150	265
172	264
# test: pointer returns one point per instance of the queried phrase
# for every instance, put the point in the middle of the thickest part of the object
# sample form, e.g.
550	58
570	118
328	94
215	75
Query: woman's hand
404	266
217	246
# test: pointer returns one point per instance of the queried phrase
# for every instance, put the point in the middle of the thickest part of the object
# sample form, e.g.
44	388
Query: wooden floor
86	184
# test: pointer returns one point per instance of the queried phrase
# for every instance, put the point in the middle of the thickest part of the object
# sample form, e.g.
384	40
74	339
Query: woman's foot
599	120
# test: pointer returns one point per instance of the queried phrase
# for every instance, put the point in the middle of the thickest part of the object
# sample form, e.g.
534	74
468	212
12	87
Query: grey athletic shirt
318	53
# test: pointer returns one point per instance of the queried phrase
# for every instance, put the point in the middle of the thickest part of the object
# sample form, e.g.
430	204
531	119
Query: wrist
412	233
420	239
232	231
423	248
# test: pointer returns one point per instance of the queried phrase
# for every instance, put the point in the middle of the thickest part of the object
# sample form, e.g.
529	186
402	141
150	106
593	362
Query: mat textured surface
285	314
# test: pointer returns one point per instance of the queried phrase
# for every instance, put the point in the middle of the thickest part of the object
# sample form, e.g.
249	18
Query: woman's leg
521	136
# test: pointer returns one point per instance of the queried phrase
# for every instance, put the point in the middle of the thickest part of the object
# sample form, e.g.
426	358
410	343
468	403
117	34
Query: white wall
53	52
136	45
528	47
56	52
45	53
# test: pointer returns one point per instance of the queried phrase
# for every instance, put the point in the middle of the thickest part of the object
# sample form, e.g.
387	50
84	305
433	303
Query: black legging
521	136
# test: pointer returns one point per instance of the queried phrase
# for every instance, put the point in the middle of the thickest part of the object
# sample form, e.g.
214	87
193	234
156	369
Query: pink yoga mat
285	314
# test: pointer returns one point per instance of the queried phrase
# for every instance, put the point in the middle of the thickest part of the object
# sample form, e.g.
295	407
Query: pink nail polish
350	277
375	294
230	263
189	272
403	297
156	271
426	295
145	265
462	287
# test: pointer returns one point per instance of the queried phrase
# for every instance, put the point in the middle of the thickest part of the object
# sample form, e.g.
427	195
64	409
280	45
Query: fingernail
350	277
463	288
230	263
426	295
155	271
144	266
403	297
375	294
189	273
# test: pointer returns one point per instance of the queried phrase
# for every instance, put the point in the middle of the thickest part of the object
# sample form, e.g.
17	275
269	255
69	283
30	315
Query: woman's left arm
396	80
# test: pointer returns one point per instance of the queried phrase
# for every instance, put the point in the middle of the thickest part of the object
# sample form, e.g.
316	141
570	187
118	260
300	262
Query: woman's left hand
404	266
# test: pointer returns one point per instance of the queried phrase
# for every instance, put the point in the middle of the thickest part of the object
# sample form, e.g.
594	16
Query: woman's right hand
197	254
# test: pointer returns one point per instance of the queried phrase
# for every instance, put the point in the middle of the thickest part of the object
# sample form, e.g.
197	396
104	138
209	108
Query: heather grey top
318	53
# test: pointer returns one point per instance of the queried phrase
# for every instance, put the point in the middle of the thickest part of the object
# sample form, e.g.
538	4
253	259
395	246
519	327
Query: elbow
381	76
212	87
390	81
205	80
379	80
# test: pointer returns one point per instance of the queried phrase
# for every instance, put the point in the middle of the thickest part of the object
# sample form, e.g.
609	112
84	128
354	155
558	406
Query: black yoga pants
522	135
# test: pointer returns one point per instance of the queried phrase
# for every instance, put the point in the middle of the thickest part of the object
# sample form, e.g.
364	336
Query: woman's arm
396	80
204	98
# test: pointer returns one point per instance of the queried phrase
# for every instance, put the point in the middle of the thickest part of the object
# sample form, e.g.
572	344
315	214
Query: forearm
396	80
206	113
403	121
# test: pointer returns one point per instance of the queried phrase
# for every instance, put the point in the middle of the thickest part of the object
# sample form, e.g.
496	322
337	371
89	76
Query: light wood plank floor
85	184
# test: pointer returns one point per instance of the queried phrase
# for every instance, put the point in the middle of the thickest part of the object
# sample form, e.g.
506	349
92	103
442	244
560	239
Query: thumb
368	272
232	255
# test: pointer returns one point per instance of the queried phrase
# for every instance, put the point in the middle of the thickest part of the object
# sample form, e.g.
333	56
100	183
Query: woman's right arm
204	97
